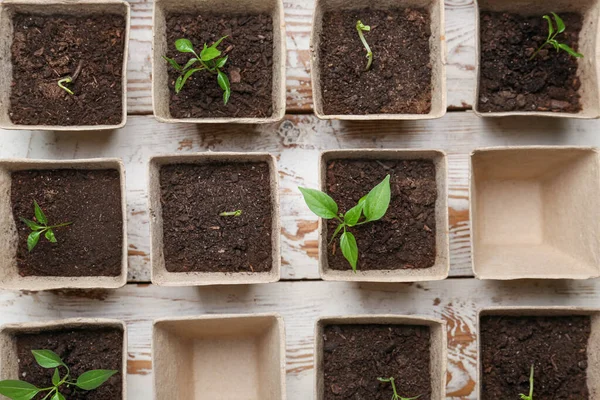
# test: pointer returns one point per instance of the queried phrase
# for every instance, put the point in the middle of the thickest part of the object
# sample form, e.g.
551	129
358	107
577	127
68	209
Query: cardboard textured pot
9	367
442	265
9	274
160	275
593	352
54	7
535	212
589	43
438	350
437	47
219	357
160	89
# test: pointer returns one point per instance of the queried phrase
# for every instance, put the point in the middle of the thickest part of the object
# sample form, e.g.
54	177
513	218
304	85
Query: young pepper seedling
396	396
39	227
552	33
360	27
235	213
209	60
70	79
530	397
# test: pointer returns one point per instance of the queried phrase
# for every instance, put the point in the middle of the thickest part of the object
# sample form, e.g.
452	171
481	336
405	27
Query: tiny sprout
396	396
373	207
21	390
552	33
209	59
61	83
360	27
39	227
235	213
530	397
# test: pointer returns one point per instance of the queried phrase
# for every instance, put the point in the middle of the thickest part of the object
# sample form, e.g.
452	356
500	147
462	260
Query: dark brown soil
405	237
82	350
510	81
249	46
556	346
399	81
196	237
91	200
356	355
46	49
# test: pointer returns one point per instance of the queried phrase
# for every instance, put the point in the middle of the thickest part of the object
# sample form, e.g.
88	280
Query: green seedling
360	27
371	207
530	397
70	79
235	213
209	60
552	33
39	227
396	396
21	390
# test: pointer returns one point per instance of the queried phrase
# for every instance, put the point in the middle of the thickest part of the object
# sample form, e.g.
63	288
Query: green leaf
39	214
550	26
560	25
173	63
209	53
185	77
58	396
32	225
335	233
378	200
319	203
184	46
224	83
33	239
349	248
191	62
50	236
570	50
47	358
353	215
178	84
93	379
363	27
18	390
218	42
56	377
220	63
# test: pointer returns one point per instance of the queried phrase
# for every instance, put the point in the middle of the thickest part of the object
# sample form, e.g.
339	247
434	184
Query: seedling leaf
319	203
209	53
560	24
220	63
58	396
185	78
47	358
378	200
56	377
18	390
173	63
50	236
224	84
33	239
93	379
191	62
570	50
184	46
39	214
550	26
353	215
349	248
31	225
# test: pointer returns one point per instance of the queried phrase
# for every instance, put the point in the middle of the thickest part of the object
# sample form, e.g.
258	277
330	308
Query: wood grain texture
300	303
460	38
297	143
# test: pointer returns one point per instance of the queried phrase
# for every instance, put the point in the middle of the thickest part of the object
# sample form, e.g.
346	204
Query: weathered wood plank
301	303
297	143
460	37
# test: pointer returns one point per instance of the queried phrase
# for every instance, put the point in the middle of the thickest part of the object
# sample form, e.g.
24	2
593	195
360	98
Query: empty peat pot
255	47
410	243
84	201
412	350
561	344
514	79
535	212
214	219
202	357
83	344
64	64
406	79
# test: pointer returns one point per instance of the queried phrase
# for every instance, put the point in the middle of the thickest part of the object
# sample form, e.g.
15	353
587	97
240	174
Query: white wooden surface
460	38
300	303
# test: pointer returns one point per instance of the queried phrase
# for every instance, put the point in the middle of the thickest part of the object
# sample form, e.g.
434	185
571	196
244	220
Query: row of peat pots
64	63
214	217
550	352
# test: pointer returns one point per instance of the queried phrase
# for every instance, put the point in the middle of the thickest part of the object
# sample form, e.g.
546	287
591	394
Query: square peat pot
91	252
403	83
535	213
415	225
561	343
255	45
192	243
411	349
219	357
553	84
82	343
37	30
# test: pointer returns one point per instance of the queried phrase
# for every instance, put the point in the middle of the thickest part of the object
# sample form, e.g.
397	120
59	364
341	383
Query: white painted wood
301	303
460	38
297	143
